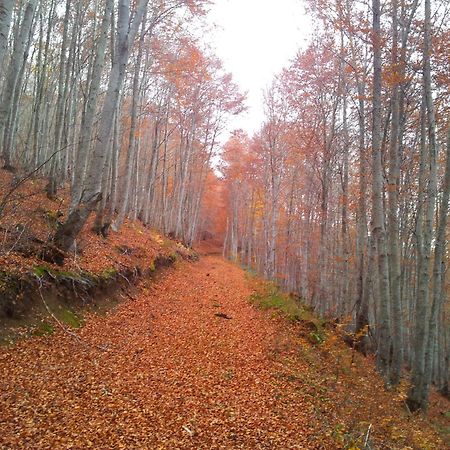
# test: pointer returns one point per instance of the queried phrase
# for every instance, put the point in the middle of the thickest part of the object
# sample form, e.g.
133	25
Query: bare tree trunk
6	8
378	230
111	205
438	297
344	297
418	394
393	230
132	144
52	184
362	289
87	121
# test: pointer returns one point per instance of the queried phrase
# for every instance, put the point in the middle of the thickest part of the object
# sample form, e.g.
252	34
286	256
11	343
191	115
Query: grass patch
269	297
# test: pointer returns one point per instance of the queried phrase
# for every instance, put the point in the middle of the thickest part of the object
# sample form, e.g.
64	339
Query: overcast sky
256	39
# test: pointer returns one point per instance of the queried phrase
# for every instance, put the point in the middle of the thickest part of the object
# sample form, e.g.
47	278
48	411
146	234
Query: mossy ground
268	296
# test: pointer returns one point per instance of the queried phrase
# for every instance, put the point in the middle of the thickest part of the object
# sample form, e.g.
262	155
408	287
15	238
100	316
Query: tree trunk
132	144
87	121
52	183
378	226
438	297
92	185
6	8
418	394
393	230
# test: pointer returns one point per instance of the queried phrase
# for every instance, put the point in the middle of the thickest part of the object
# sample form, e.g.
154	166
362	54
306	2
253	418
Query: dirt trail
162	372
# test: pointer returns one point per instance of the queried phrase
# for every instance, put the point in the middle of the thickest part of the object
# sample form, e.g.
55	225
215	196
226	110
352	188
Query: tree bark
92	185
378	226
6	8
393	229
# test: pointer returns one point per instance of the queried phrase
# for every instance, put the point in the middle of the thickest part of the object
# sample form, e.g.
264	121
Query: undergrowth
268	296
343	385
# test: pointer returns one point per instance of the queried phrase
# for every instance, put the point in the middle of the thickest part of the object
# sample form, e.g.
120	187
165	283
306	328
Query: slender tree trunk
438	296
92	186
418	394
393	230
62	90
112	204
344	297
362	289
378	226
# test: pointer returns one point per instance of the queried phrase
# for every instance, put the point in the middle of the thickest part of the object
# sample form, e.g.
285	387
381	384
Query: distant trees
359	108
117	99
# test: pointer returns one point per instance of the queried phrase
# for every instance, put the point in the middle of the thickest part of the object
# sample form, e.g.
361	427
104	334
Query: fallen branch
366	440
223	316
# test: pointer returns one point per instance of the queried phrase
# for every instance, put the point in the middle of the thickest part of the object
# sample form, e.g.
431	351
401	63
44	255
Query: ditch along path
188	364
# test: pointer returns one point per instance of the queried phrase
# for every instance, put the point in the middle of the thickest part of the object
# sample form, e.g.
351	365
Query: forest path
174	375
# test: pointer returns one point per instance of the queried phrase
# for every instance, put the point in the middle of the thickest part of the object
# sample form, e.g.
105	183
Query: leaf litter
171	375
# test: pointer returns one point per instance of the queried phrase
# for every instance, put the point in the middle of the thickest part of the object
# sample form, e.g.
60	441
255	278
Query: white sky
255	39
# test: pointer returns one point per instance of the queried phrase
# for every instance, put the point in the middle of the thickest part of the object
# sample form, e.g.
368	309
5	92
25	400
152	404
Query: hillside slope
28	220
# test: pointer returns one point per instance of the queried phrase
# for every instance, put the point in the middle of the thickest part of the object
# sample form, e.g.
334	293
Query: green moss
64	315
270	297
316	337
44	328
41	271
68	317
109	273
66	274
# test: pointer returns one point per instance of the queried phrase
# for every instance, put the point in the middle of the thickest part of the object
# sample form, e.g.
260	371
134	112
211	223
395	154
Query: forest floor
191	363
